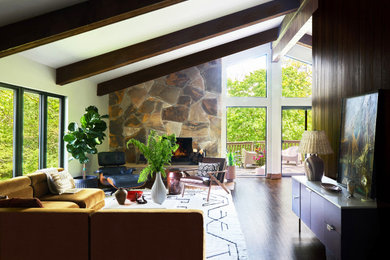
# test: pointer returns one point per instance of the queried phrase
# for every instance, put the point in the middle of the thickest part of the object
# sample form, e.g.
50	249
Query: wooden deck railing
237	147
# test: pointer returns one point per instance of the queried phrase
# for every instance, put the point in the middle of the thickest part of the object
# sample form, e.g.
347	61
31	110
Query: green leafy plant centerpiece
157	151
231	168
230	159
82	140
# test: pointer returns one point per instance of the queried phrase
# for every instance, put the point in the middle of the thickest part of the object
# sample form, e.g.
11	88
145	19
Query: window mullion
61	145
18	133
42	131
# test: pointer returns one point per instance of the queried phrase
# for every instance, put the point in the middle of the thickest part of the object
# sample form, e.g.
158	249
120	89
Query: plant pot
159	192
90	181
230	173
260	170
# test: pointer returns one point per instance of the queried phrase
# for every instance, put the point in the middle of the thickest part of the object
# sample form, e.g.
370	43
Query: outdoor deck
288	169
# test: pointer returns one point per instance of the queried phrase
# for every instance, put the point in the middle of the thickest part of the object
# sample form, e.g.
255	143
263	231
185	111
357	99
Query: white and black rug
224	238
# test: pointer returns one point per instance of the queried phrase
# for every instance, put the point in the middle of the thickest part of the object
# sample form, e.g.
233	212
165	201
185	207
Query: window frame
274	100
18	127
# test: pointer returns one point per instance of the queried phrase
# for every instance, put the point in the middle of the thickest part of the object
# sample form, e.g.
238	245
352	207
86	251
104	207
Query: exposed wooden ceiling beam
293	28
187	62
71	21
175	40
306	41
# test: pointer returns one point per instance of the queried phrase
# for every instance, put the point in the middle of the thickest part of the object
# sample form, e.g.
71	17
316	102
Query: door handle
330	227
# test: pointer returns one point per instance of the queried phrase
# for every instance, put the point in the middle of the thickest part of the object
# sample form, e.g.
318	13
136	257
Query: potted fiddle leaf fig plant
82	139
231	168
158	152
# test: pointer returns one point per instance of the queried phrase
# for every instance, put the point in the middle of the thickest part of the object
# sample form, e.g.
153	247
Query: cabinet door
296	197
332	230
305	205
317	215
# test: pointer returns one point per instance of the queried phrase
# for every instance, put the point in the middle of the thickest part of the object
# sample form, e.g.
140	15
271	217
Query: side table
90	181
174	185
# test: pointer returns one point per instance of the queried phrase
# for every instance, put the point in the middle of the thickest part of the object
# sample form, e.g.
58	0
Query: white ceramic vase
159	192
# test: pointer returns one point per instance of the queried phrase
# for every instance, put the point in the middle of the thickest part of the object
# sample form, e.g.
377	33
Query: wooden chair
213	177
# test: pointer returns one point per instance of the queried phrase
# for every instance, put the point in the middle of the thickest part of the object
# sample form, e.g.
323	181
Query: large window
31	130
6	132
246	124
248	78
268	105
53	130
296	78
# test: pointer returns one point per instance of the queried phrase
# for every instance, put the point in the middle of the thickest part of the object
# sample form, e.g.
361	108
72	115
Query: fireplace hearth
183	153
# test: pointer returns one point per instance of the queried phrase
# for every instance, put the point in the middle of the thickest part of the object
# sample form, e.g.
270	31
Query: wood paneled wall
351	56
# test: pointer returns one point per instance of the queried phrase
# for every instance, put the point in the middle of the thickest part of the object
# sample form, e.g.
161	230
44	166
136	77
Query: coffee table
112	203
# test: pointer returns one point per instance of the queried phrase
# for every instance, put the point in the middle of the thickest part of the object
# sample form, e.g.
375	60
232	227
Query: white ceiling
129	32
16	10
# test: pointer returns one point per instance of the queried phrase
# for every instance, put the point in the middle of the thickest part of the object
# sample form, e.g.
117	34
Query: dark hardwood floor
268	223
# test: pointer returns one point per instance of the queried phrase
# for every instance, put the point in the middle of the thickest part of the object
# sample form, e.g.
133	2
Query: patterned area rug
224	238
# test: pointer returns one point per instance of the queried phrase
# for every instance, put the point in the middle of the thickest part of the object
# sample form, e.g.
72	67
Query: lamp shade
315	142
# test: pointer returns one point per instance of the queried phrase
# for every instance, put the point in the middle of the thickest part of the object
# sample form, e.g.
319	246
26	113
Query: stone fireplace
186	103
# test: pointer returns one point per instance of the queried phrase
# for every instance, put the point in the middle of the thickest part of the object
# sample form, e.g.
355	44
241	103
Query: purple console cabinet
347	227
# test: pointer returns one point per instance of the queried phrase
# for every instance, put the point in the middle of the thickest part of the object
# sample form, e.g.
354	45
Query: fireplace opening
183	153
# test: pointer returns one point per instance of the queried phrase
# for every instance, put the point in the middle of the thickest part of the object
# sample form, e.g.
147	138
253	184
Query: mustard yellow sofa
71	227
35	185
86	234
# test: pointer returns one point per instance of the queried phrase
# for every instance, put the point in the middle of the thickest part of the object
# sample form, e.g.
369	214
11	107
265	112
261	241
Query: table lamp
314	143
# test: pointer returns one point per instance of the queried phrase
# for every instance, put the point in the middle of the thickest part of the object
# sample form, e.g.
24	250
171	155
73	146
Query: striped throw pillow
204	168
61	181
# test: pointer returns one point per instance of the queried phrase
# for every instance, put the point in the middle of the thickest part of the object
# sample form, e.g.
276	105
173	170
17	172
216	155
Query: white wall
20	71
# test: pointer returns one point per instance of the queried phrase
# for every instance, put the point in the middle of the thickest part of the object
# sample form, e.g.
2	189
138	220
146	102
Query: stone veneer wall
187	103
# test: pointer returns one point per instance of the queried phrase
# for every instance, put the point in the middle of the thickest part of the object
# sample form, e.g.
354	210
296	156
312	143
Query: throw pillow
61	182
50	182
204	168
21	203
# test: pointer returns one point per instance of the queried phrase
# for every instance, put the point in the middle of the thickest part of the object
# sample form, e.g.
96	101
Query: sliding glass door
246	137
295	120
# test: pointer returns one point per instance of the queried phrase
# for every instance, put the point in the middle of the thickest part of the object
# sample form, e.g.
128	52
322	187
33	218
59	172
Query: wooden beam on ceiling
173	41
306	41
187	62
294	26
73	20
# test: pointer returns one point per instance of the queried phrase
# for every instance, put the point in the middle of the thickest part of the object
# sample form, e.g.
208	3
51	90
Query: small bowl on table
133	195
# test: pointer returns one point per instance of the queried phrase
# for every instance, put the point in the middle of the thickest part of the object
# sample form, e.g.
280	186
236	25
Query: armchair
114	173
248	158
291	154
210	171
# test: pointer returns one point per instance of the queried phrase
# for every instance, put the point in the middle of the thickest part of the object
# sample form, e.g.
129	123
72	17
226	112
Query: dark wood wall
351	56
